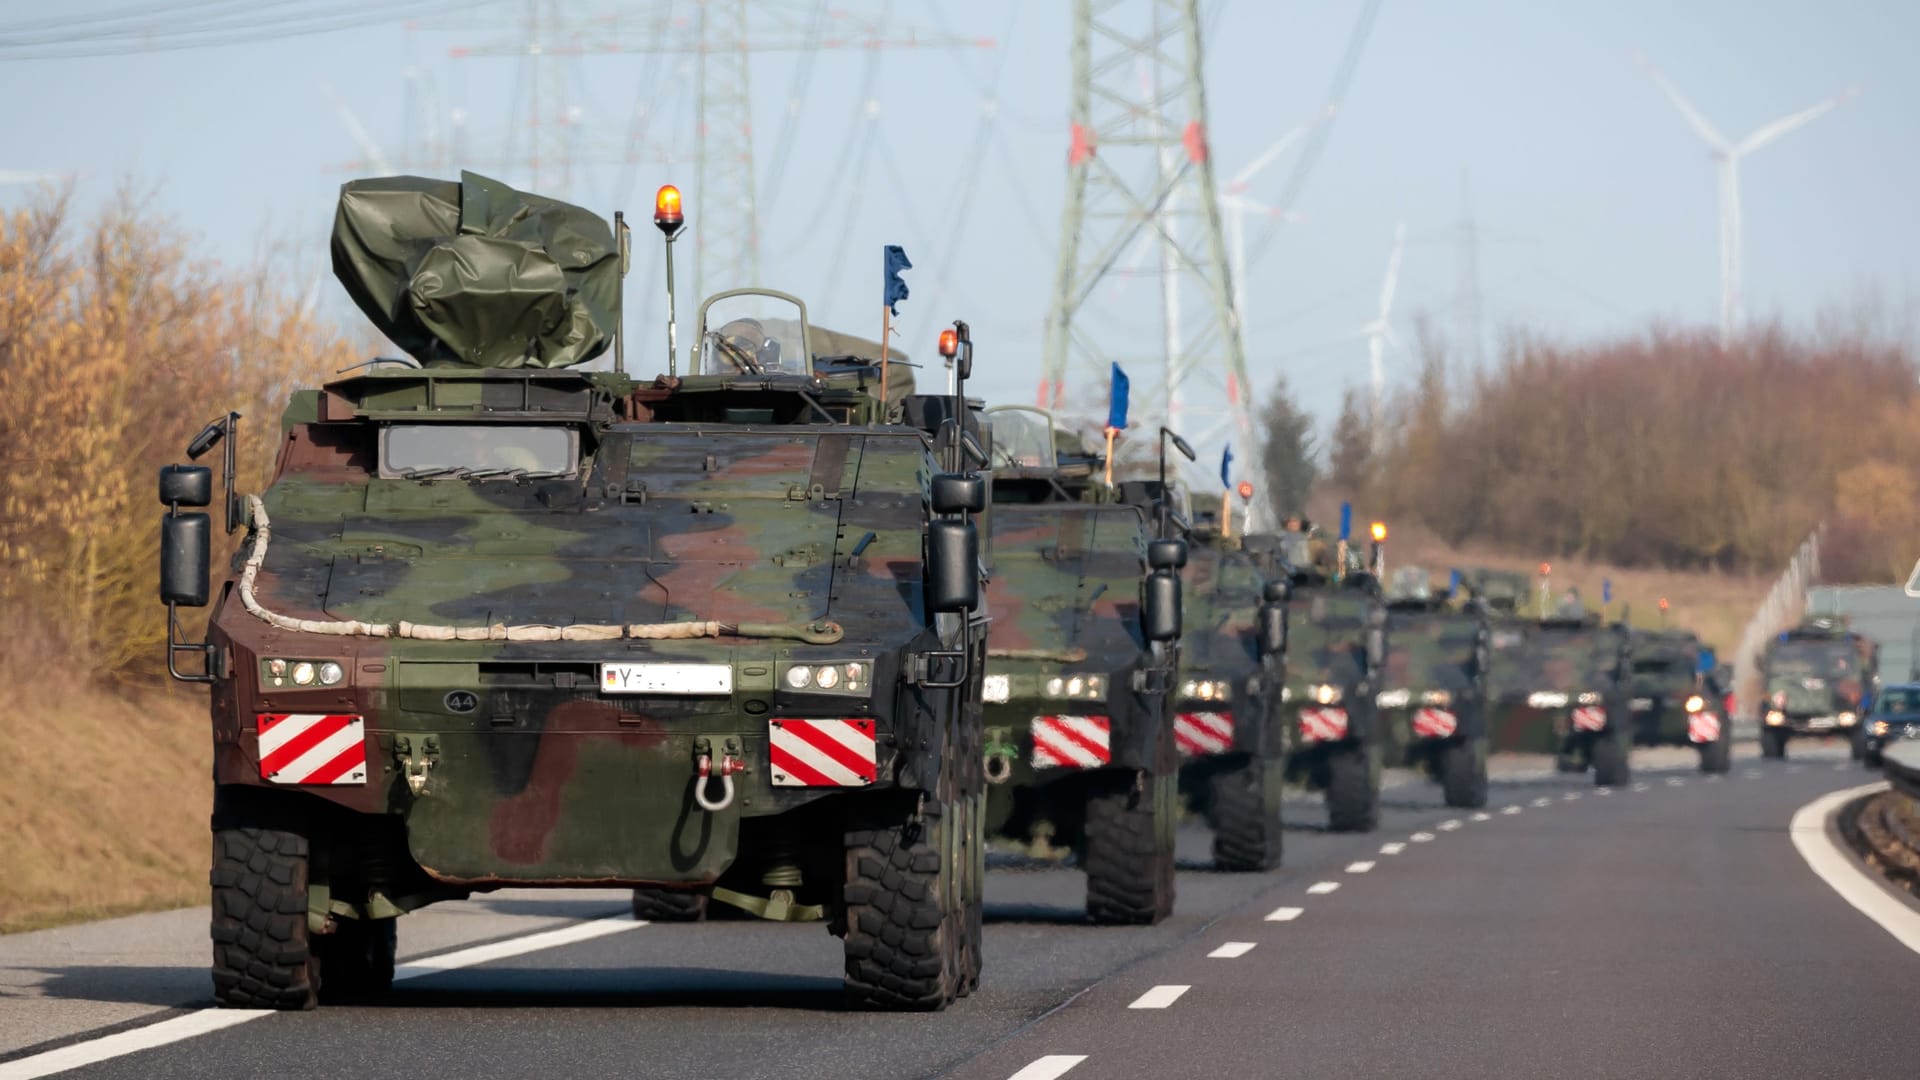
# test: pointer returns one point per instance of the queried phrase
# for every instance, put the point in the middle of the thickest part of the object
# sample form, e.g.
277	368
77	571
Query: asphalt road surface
1670	928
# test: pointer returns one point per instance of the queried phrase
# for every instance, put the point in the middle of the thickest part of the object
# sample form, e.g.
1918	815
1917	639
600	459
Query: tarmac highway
1680	926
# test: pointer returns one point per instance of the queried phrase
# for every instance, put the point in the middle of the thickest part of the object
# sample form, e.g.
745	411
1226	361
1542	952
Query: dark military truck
1432	690
1079	748
1562	685
1336	641
499	621
1673	701
1227	723
1817	678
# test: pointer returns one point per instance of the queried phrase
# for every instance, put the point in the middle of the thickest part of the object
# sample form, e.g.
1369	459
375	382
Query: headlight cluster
1325	693
1775	717
1589	697
1879	727
1848	719
1696	703
837	677
1076	687
1206	689
304	673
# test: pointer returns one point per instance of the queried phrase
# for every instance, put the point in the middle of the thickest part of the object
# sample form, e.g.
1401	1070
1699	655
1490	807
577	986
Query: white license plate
666	679
1546	699
1820	722
994	689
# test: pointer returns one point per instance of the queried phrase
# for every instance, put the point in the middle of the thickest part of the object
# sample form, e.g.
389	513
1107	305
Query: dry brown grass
105	794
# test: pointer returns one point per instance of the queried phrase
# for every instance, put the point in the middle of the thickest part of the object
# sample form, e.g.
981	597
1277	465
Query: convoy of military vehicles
784	635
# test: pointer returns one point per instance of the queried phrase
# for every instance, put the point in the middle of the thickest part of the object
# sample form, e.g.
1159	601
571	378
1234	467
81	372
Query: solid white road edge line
206	1021
1050	1067
1284	914
1232	950
1322	888
1159	997
1841	873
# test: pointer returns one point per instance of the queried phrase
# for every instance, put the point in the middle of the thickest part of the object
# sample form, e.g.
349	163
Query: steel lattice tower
1139	170
727	244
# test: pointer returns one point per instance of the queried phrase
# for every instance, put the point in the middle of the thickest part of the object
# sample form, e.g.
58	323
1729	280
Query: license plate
1820	722
666	679
995	689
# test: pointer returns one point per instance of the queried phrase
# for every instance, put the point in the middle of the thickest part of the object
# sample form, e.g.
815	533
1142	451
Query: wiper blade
427	472
514	472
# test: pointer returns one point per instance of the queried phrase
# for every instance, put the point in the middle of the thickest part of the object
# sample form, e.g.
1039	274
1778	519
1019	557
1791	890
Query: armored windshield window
753	335
1022	440
457	450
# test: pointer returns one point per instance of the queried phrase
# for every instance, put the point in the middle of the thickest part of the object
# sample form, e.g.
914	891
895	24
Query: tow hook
705	772
999	757
416	767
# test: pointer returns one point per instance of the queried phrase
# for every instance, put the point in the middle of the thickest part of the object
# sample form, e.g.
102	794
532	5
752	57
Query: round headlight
303	674
799	677
1075	686
1696	703
1096	686
1208	691
1189	689
855	676
827	677
331	673
1054	686
1323	694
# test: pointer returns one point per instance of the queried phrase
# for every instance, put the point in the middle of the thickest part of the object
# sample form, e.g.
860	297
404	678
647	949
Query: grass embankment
104	796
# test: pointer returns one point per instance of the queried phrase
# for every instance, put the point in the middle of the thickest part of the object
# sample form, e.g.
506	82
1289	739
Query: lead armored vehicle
501	621
1086	607
1432	694
1817	678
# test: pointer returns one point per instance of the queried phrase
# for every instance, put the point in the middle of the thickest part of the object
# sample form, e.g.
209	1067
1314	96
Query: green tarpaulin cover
477	273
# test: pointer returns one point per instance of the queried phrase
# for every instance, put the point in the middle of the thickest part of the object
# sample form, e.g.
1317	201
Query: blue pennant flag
1606	590
1226	461
1453	583
896	289
1346	521
1117	400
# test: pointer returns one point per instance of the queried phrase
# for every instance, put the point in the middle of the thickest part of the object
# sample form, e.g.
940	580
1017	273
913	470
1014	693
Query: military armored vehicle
1227	723
1674	702
502	621
1562	685
1079	745
1336	641
1817	678
1432	690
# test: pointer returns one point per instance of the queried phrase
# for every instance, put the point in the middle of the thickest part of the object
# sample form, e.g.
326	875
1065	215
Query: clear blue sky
1597	202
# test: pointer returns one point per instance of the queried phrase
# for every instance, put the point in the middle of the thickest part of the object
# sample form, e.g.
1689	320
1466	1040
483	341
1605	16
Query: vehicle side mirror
1273	629
1278	591
1160	606
953	570
1166	554
186	485
958	493
185	555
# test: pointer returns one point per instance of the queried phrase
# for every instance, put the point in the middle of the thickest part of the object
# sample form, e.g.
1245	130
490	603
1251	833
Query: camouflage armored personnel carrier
1562	685
1336	630
1818	678
1079	747
1673	703
501	621
1432	690
1227	723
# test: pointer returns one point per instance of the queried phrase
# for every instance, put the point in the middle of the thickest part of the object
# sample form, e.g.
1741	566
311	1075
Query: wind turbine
1727	155
1235	201
1380	334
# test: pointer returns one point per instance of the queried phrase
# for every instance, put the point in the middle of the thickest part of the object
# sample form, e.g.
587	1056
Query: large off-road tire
1610	763
669	906
1353	788
973	888
905	910
1857	745
1773	743
1463	773
1245	815
1572	758
1717	756
356	960
1871	759
262	955
1129	852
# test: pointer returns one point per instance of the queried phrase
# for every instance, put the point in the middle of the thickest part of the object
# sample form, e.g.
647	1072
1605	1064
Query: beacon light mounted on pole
1378	530
670	220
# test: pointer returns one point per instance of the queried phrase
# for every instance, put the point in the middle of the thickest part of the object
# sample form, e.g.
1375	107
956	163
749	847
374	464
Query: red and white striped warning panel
1703	727
821	753
1076	742
312	748
1431	723
1200	733
1589	718
1323	725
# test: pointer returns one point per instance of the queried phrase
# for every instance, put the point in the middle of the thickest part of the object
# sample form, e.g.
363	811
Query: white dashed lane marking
1394	848
1159	997
1605	791
1359	867
1051	1067
1751	774
1481	816
1322	888
1450	824
1421	837
1543	801
1510	808
1713	779
1641	786
1284	914
1232	950
1571	796
1676	781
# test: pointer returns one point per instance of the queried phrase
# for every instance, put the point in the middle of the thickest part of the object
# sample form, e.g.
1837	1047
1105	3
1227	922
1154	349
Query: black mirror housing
953	561
1160	607
1273	630
957	493
186	485
1167	554
185	557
